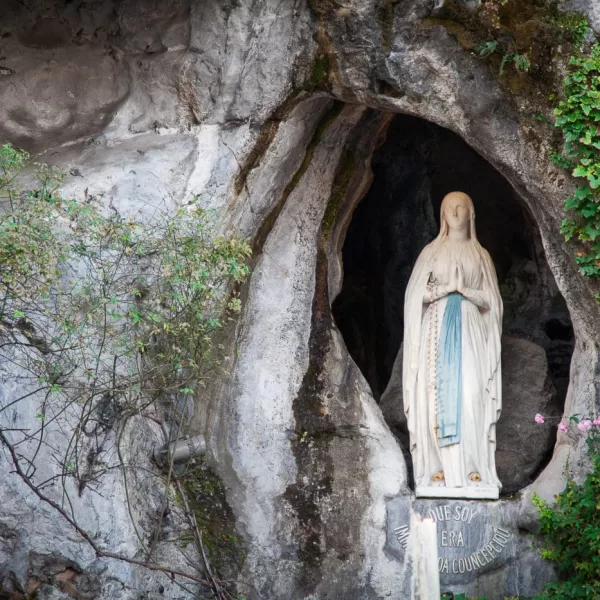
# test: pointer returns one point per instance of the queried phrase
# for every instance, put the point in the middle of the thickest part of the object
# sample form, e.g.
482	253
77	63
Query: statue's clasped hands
457	281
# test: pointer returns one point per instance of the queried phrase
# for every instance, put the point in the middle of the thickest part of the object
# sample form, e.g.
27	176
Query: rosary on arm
435	290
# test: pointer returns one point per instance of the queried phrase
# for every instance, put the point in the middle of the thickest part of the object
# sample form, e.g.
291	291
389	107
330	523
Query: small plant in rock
570	26
486	48
521	62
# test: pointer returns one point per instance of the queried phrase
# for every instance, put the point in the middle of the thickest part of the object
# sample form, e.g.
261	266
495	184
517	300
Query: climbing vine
578	116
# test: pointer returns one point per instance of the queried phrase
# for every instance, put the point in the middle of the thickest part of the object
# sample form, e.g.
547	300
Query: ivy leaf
589	210
583	192
594	181
571	203
592	232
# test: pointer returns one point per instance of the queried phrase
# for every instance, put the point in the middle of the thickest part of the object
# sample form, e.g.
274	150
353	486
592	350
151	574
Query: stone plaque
474	537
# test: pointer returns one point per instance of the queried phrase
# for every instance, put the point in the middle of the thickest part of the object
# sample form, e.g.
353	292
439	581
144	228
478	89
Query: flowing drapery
480	378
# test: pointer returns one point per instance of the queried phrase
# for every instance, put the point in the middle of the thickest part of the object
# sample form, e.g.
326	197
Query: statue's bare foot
438	476
475	476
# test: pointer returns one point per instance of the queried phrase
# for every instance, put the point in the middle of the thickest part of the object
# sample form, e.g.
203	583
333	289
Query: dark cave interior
413	169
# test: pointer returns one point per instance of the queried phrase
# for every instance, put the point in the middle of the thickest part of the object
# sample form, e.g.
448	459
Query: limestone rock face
271	113
522	444
60	95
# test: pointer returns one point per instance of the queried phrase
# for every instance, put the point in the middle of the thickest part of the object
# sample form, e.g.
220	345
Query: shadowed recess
413	169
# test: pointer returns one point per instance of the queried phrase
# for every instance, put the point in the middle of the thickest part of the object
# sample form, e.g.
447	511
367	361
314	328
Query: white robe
480	355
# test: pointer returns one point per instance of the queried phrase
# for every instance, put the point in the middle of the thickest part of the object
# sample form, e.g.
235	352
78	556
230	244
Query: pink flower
584	425
562	426
596	421
539	418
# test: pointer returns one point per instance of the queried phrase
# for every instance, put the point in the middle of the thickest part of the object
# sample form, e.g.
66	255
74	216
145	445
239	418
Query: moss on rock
526	44
339	192
205	493
265	137
320	71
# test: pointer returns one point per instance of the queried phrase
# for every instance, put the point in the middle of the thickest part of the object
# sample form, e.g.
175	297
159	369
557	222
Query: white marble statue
451	368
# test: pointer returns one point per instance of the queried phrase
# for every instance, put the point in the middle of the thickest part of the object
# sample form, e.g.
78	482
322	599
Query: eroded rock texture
271	112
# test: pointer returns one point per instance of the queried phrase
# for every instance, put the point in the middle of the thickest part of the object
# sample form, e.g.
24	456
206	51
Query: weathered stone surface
201	99
328	422
37	541
121	68
523	446
59	95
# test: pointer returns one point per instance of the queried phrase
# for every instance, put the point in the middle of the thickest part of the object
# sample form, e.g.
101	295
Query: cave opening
413	169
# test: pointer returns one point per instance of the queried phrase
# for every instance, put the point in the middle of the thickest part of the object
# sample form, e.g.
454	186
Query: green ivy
570	529
578	116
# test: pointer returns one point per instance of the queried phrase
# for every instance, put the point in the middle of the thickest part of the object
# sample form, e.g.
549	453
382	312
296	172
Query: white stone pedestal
477	492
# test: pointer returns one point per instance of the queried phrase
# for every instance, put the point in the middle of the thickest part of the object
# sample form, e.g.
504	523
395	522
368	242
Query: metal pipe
180	451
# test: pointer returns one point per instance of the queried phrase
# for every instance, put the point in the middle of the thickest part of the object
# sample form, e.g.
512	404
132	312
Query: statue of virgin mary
451	363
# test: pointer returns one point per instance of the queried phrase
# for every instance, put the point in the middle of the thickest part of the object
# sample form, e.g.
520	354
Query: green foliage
570	26
103	315
486	48
32	226
571	532
560	160
578	115
524	35
521	62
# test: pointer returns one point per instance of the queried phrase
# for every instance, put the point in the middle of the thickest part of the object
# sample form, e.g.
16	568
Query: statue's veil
443	233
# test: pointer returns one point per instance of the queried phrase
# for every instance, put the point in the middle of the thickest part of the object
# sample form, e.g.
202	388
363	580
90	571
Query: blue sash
449	372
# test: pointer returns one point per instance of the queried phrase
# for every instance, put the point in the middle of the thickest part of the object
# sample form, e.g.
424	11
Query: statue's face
456	212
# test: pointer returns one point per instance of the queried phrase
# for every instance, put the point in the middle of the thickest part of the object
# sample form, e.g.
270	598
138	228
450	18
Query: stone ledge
479	492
